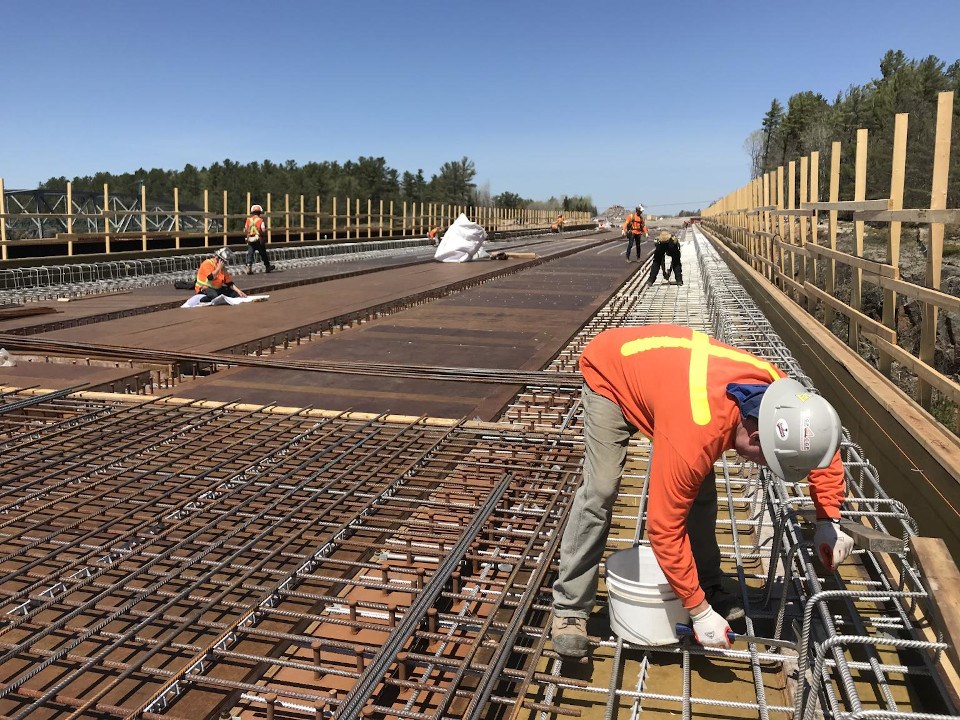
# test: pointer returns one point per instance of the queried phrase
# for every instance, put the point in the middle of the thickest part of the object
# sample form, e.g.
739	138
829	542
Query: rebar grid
175	541
881	607
170	560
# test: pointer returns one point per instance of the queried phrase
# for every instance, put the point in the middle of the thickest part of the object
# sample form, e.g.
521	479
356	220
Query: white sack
462	242
197	300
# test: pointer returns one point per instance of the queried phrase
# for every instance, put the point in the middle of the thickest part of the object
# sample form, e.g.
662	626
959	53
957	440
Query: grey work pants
606	433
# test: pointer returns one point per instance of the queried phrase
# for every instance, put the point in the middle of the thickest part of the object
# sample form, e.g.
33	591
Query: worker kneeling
214	280
696	398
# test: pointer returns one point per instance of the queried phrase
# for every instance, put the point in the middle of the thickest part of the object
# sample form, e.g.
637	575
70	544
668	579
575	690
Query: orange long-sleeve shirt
207	277
670	382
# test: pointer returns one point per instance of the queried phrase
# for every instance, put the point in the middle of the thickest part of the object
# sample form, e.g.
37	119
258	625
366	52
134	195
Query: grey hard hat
799	430
224	254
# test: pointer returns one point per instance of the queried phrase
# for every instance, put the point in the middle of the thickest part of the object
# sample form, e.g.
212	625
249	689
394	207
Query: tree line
366	178
810	122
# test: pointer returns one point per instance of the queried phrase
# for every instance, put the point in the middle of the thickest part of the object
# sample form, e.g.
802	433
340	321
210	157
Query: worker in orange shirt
634	228
559	222
696	398
214	280
434	234
255	230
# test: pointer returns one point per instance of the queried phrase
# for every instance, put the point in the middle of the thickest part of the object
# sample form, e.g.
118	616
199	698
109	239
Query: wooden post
831	264
391	219
269	217
856	273
897	175
347	215
225	220
317	218
938	201
815	220
804	180
143	216
286	217
206	218
791	220
781	255
356	217
767	225
3	226
3	221
369	218
176	218
106	217
403	229
334	217
302	208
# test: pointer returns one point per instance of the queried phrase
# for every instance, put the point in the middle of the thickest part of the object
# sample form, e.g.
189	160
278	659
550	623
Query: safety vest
637	226
253	227
204	273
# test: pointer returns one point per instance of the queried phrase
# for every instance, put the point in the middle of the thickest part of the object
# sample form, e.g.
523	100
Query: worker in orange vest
559	222
633	228
214	280
434	234
255	230
695	398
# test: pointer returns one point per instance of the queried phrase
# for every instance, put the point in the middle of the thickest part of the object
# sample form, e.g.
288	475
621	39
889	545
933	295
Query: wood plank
864	536
916	215
797	249
934	297
943	583
883	204
840	307
876	268
796	213
791	283
919	368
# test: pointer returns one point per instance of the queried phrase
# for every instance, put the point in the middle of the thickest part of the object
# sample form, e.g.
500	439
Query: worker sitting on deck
633	228
434	234
696	398
558	224
254	230
213	278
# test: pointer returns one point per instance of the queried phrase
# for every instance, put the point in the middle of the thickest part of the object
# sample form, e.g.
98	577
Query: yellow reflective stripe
701	350
699	359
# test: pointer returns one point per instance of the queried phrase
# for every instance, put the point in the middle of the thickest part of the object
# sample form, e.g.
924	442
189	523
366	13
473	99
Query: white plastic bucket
643	607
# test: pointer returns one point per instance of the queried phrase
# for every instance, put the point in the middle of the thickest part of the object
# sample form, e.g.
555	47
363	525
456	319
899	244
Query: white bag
462	242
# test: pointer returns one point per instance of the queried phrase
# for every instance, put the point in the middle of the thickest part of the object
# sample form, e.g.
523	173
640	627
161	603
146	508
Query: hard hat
640	209
224	254
799	430
665	236
256	209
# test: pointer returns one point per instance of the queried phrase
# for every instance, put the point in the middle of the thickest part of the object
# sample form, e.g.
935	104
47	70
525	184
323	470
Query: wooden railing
95	230
773	224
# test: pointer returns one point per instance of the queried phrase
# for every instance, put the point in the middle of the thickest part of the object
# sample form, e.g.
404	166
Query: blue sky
623	101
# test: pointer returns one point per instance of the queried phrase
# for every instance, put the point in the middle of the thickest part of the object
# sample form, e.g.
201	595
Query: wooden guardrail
104	222
773	223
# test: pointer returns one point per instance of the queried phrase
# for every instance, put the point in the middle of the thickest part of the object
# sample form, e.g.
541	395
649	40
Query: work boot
726	605
570	636
270	268
249	270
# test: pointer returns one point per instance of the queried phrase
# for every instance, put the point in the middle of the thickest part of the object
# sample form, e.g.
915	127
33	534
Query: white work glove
710	629
833	544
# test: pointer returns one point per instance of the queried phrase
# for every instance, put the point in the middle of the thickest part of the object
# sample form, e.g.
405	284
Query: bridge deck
166	555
